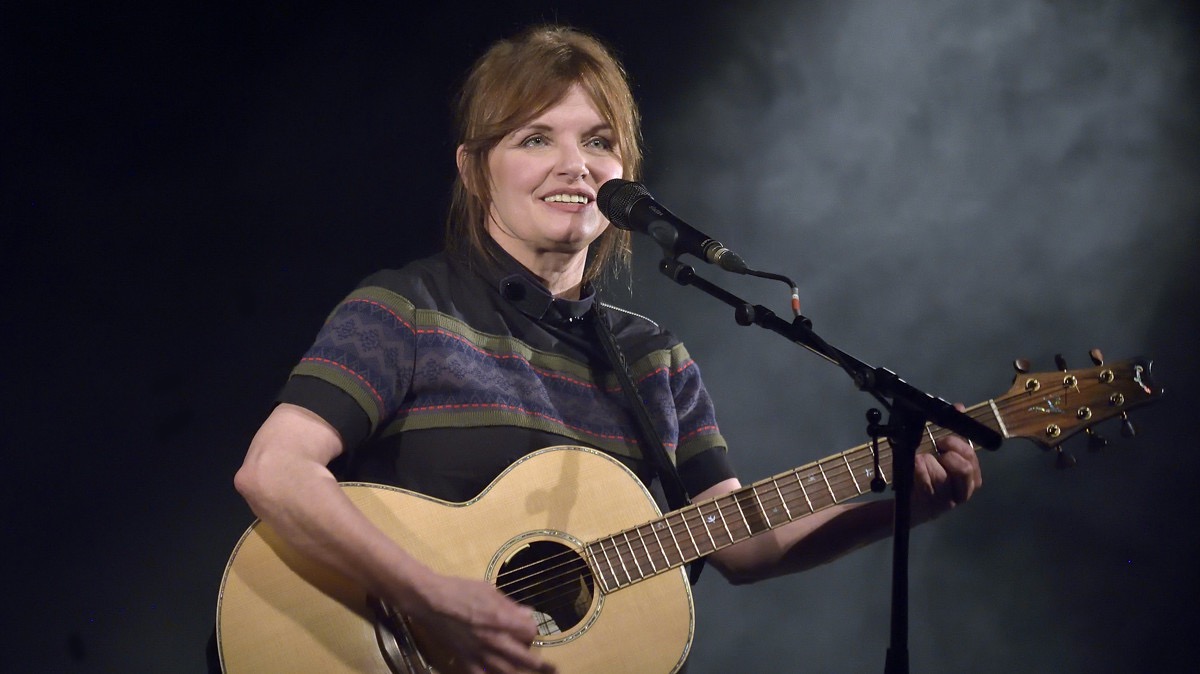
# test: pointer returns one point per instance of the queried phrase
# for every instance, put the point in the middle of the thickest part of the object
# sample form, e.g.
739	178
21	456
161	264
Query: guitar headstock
1049	407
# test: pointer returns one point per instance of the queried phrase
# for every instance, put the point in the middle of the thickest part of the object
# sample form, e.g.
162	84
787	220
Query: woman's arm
941	482
286	481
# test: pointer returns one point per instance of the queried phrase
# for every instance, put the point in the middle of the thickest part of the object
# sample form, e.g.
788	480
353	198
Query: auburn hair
516	80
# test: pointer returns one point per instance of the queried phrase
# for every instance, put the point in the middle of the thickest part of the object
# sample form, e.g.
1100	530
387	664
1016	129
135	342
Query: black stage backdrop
188	187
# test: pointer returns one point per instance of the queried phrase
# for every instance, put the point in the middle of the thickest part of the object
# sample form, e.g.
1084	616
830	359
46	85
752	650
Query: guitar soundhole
554	580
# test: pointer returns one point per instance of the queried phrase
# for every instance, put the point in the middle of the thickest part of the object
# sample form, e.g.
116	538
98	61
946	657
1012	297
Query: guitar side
278	611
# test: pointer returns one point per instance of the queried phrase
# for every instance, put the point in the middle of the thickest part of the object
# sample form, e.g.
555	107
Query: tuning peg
1096	442
1063	460
1021	365
1096	356
1128	430
1060	362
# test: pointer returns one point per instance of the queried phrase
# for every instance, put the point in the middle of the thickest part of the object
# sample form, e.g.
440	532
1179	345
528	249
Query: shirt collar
520	288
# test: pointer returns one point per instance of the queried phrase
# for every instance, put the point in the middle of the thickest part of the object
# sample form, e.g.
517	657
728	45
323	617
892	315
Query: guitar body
279	612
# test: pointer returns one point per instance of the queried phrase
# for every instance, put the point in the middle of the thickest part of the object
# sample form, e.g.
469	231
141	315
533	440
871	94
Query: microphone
628	205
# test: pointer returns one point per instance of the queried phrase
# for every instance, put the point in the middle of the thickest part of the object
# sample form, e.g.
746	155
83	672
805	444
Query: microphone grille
615	199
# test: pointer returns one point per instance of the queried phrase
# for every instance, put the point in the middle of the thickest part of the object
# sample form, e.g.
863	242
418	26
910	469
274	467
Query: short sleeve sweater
439	375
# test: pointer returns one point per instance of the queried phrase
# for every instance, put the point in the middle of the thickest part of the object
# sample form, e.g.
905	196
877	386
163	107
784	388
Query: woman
438	376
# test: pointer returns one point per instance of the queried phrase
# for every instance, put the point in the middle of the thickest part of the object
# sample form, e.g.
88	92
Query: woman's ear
462	159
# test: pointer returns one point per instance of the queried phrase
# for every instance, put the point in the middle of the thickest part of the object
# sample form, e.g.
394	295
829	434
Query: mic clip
667	236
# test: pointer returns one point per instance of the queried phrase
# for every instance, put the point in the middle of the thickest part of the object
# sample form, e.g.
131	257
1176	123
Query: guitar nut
1117	399
1083	413
1053	431
1032	385
1070	381
1107	376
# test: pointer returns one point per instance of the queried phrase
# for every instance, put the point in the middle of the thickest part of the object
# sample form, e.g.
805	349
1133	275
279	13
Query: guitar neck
687	534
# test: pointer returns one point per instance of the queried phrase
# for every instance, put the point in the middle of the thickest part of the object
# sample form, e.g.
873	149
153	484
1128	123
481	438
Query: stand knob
874	416
1128	430
744	315
1063	460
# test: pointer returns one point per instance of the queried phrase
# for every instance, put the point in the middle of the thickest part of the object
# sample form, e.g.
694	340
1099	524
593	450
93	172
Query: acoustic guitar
576	536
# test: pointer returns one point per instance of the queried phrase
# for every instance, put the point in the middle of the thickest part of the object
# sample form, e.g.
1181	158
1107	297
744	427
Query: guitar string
1006	403
840	489
545	588
522	583
738	530
1020	397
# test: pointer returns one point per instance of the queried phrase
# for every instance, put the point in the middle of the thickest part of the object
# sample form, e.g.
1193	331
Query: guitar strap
672	484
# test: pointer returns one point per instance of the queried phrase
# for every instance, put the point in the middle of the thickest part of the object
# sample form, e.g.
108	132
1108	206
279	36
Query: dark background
187	189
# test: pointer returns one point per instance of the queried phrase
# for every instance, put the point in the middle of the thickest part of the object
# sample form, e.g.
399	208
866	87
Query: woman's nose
571	163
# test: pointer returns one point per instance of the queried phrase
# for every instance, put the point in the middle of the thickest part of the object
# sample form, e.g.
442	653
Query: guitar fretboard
700	529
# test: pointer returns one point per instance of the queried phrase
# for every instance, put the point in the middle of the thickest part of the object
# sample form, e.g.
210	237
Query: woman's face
544	178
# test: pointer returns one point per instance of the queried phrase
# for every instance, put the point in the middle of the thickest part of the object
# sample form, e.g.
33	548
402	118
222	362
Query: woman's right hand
287	483
484	630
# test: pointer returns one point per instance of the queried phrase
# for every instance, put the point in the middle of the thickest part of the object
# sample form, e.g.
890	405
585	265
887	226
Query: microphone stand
910	410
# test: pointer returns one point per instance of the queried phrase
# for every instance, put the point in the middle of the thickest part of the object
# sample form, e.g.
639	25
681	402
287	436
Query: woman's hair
512	83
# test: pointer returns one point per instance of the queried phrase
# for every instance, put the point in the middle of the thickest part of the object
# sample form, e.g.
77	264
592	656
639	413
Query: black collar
519	287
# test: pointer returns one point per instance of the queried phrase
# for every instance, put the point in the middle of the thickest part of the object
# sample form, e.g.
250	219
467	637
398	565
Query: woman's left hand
945	479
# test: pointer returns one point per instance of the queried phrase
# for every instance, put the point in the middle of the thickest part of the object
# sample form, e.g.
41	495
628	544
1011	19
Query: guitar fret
822	498
704	522
736	499
863	457
671	530
761	507
724	524
688	529
649	555
827	485
742	513
611	570
850	469
711	523
782	500
885	459
659	546
804	491
633	555
621	559
885	463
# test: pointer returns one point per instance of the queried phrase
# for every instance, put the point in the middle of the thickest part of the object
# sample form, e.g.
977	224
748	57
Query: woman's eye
534	141
599	143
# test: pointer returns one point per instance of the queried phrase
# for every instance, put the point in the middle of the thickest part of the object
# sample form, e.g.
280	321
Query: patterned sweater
440	374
